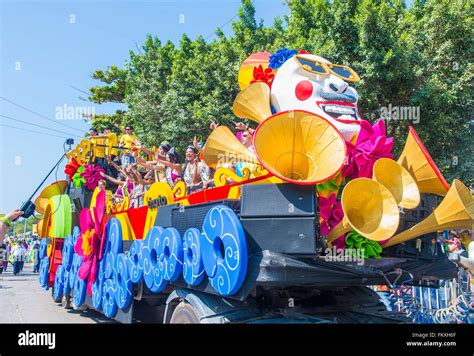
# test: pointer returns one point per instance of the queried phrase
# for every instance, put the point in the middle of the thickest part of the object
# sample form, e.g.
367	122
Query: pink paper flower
92	176
371	144
331	214
90	244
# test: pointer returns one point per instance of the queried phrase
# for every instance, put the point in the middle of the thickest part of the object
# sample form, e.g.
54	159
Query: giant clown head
312	83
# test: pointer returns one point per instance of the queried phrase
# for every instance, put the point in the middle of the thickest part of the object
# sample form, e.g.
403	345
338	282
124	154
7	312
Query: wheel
66	302
185	314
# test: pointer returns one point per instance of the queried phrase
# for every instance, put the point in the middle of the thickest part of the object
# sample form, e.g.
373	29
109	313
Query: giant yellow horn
56	188
398	181
223	147
300	147
369	208
456	211
253	102
416	159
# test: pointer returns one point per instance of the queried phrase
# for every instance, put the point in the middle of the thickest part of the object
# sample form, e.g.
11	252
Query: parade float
264	245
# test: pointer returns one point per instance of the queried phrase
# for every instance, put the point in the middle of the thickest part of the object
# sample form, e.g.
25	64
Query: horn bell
398	181
456	211
369	208
56	188
253	102
300	147
416	159
223	147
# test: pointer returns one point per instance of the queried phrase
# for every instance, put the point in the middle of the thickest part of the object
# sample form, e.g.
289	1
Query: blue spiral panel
66	284
58	284
68	252
44	273
109	264
76	263
98	286
123	292
80	287
43	248
109	306
193	268
222	231
113	243
170	254
152	268
134	259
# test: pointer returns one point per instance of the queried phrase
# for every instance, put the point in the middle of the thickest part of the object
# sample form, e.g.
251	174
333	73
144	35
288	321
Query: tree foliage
419	56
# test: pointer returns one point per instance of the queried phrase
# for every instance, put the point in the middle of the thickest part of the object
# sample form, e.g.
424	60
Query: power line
34	112
40	126
22	129
220	27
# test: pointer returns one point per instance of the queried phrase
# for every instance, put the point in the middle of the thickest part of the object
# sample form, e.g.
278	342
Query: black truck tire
184	313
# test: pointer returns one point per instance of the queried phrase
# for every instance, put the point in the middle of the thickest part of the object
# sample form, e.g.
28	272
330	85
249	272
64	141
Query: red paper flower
92	176
371	144
90	243
71	168
260	75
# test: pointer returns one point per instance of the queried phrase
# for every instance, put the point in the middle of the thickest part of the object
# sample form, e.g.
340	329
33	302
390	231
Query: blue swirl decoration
58	284
135	268
44	273
98	286
193	268
224	250
152	266
277	59
79	285
170	254
113	244
68	252
43	248
66	284
109	306
123	292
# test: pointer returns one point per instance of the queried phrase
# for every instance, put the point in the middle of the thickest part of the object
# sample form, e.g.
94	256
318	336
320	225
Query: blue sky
49	46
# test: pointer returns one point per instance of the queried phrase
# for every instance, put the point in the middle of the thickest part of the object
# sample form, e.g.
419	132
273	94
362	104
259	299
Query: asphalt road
22	300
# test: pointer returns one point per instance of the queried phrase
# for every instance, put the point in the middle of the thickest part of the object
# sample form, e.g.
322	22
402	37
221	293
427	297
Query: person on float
156	169
128	142
99	151
197	174
110	139
7	221
171	167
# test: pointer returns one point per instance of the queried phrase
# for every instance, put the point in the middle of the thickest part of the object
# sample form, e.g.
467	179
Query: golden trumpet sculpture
299	147
369	208
416	159
253	102
456	211
398	181
57	188
223	147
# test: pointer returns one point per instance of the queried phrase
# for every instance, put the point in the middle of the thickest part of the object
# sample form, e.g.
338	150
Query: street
22	300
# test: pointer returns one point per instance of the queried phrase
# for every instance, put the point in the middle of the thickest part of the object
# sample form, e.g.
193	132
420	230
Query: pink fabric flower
92	176
331	214
90	244
371	144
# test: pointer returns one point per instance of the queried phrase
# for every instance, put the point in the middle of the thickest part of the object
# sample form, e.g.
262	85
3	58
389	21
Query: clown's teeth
339	109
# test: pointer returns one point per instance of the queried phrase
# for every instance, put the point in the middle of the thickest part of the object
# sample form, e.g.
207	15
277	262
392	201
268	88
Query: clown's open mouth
339	110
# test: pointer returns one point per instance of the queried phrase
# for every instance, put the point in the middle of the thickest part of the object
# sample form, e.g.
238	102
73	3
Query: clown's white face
326	95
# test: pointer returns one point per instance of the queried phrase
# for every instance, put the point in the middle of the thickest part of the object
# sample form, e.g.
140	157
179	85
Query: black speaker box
277	200
294	236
